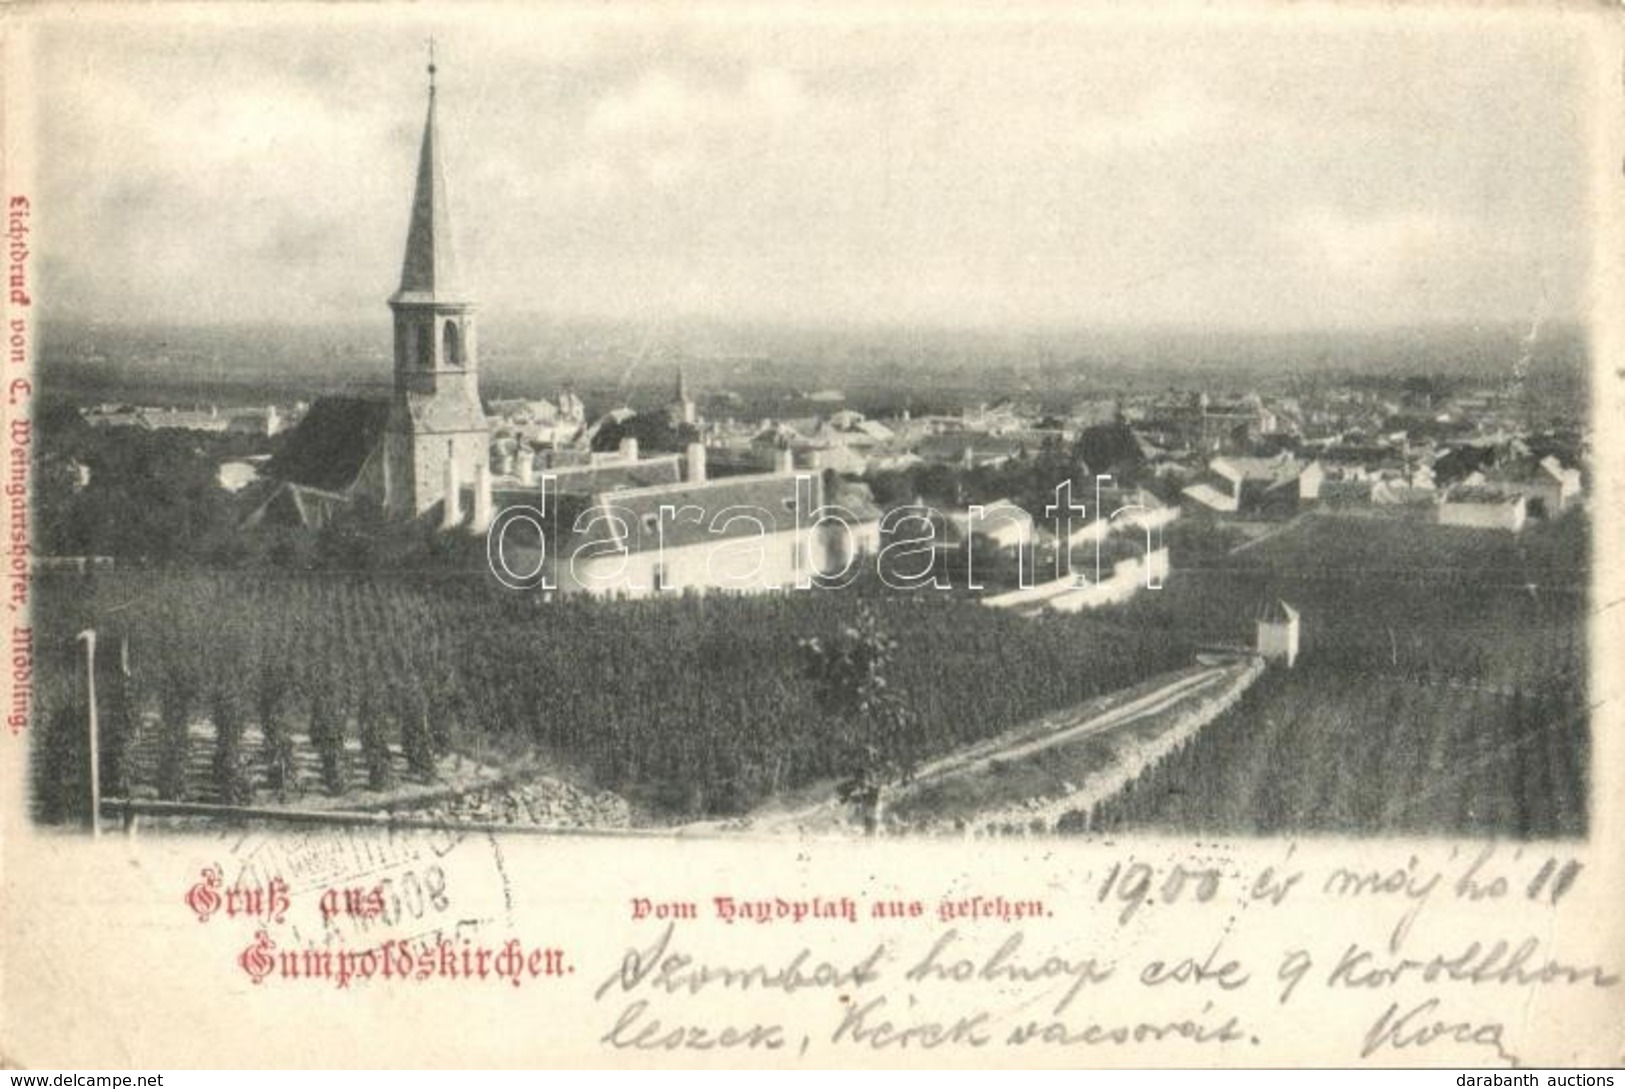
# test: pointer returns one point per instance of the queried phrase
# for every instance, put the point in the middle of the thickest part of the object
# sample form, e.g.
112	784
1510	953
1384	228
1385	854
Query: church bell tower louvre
436	417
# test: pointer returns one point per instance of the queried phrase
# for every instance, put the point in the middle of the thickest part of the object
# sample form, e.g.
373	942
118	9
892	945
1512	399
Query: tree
270	699
877	731
327	733
1111	449
231	779
417	741
370	721
443	710
61	776
119	729
177	699
654	431
152	495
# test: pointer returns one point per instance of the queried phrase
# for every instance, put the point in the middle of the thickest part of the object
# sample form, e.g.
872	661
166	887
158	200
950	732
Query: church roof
429	272
680	514
328	446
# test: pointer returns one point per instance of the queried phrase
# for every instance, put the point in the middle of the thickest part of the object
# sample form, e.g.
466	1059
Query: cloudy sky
1019	167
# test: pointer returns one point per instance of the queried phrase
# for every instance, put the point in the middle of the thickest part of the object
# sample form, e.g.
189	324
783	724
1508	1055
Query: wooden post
88	637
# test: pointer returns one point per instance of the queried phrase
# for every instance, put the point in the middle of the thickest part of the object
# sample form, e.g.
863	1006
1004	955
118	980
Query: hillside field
1441	689
688	706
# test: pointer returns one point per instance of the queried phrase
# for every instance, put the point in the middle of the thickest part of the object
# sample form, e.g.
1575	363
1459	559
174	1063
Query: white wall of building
1498	515
737	564
1278	640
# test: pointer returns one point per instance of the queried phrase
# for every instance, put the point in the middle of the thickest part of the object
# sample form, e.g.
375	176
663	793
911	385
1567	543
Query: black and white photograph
1005	535
772	426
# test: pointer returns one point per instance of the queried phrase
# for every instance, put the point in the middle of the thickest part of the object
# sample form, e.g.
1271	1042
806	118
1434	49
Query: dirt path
1028	797
1160	696
1081	723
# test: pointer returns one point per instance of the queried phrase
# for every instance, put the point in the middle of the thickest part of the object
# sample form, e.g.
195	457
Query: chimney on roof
629	448
784	461
694	463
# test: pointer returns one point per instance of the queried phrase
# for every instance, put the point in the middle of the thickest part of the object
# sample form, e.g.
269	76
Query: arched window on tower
453	348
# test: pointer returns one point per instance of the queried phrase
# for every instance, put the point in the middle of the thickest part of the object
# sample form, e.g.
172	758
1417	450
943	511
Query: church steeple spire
429	272
437	430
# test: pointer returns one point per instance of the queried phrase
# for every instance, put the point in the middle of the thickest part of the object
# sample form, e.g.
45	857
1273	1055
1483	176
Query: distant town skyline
940	168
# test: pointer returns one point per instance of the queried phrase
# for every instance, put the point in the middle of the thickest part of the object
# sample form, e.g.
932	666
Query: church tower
437	434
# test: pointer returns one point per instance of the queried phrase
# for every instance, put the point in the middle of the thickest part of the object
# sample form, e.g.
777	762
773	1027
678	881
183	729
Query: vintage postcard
828	536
